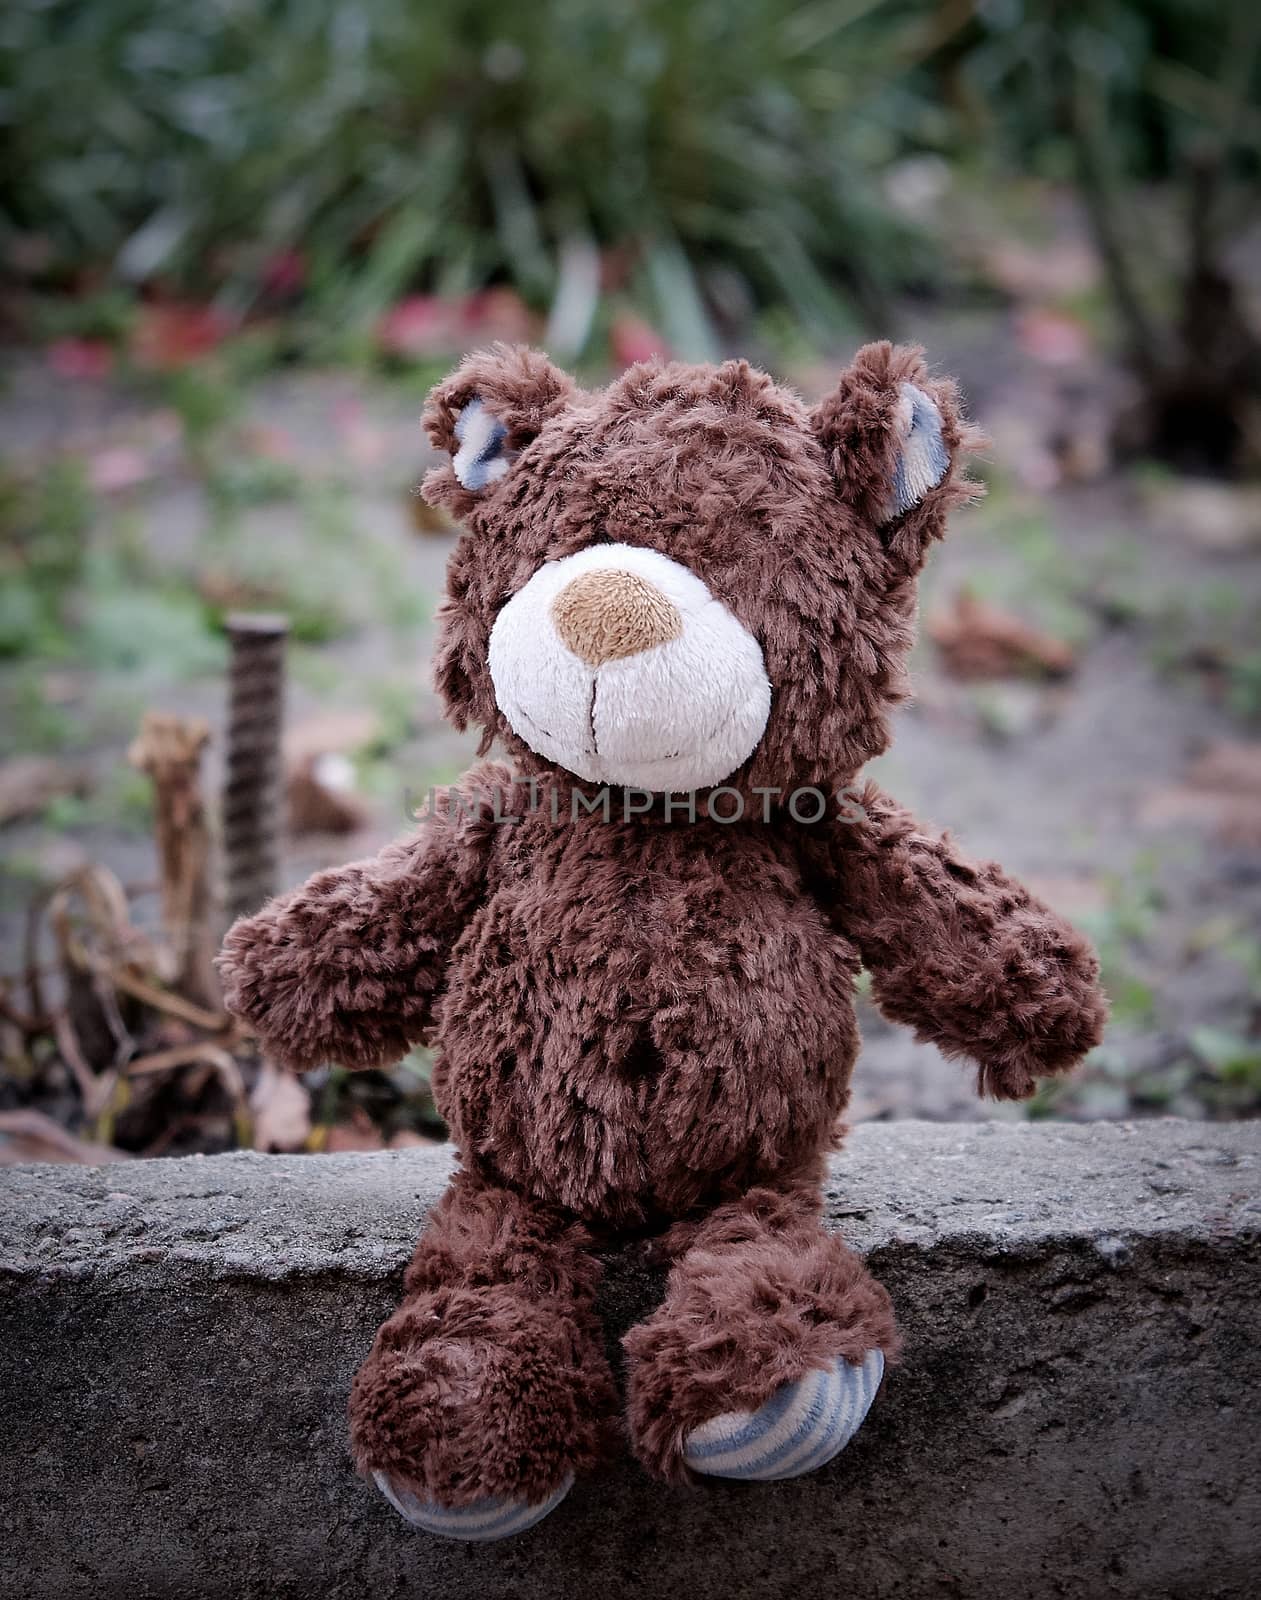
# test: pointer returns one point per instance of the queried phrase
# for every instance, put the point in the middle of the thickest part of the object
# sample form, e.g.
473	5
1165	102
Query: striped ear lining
483	456
924	459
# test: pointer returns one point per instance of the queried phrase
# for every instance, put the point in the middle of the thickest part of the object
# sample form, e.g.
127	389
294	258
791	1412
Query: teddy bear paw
799	1429
496	1517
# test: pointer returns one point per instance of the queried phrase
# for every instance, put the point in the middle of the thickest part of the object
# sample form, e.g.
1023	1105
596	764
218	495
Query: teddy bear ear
922	459
486	413
892	437
483	454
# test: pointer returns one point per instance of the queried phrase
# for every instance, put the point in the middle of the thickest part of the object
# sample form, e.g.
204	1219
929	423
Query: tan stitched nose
605	615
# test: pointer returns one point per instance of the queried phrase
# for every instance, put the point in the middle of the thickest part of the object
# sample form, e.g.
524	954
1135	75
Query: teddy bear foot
799	1429
768	1321
488	1391
496	1517
476	1408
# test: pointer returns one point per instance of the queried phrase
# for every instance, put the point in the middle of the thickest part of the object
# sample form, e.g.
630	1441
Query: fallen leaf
1221	792
979	640
31	1136
29	783
281	1109
321	796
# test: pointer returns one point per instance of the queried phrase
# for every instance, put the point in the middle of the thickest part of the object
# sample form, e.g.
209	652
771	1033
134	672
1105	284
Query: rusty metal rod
252	784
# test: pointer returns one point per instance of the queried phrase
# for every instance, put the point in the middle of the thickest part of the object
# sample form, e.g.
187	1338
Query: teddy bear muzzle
620	665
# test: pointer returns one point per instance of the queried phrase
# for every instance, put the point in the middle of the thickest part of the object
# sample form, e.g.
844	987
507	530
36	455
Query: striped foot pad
488	1519
800	1428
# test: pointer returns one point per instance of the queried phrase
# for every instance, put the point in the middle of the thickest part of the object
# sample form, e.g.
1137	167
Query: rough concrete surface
1076	1413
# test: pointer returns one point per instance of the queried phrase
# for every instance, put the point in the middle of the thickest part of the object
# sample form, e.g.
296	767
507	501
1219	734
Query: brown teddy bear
682	605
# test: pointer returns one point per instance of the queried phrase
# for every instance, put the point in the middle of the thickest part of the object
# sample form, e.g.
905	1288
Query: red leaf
632	339
421	325
170	336
497	313
284	273
428	325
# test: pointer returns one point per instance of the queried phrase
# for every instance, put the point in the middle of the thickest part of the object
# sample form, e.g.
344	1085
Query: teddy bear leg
488	1389
766	1353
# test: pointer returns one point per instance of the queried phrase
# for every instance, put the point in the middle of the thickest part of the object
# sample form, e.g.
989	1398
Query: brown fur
490	1378
646	1023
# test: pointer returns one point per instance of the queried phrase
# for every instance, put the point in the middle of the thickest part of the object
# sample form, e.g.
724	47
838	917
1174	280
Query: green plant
1243	685
245	479
30	721
44	523
123	803
1122	928
724	148
204	399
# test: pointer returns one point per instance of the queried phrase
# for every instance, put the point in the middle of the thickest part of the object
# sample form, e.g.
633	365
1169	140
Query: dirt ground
1124	783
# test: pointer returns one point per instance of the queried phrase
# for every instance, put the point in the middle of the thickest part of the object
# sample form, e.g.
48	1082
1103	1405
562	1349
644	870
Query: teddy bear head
688	579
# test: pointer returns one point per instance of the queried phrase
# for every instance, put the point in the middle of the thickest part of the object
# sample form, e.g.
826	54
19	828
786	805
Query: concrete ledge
1076	1414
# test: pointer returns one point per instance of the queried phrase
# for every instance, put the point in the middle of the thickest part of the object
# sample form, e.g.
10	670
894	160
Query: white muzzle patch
679	715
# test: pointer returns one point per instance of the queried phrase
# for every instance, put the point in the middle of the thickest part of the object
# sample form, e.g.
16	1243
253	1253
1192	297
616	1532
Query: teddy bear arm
347	968
962	952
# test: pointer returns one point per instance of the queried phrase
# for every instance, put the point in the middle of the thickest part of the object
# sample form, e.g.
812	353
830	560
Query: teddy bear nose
605	615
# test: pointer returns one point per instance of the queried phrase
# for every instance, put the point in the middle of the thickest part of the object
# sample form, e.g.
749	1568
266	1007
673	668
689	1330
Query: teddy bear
681	606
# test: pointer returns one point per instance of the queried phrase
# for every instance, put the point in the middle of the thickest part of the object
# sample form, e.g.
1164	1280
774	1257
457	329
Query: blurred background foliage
699	160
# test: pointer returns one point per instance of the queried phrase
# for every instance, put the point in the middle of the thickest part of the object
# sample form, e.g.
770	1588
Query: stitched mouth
593	751
701	744
545	733
645	761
